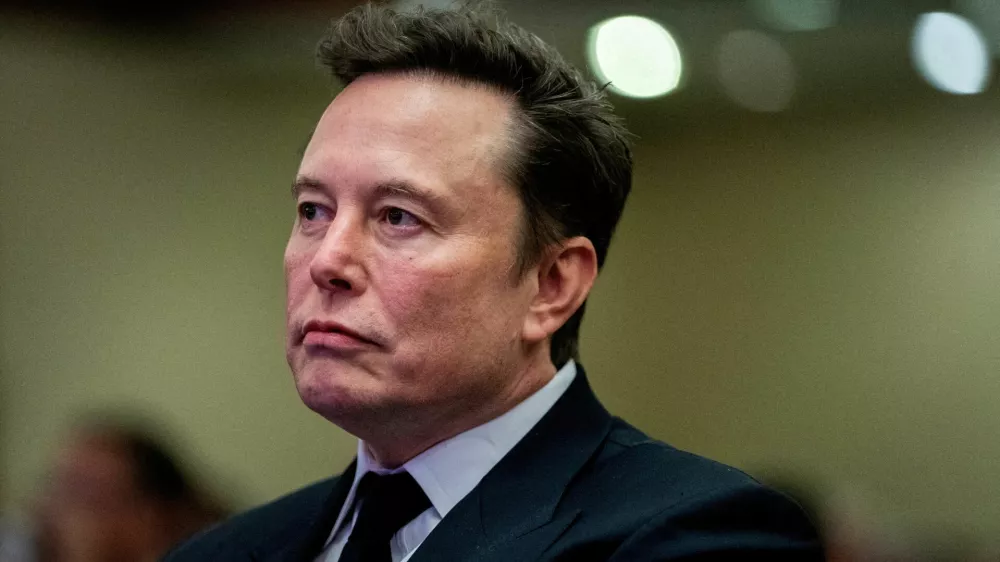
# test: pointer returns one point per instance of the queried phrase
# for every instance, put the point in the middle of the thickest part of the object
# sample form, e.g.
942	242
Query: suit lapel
307	532
518	498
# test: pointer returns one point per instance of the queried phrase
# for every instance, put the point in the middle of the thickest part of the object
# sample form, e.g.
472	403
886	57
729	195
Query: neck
393	450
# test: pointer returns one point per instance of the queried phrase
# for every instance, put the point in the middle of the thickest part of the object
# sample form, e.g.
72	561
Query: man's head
455	203
115	493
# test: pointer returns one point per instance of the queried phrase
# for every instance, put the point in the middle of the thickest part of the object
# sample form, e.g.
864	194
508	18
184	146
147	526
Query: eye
398	217
309	211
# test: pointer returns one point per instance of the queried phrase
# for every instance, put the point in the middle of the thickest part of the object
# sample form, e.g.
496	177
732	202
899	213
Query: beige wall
819	297
806	293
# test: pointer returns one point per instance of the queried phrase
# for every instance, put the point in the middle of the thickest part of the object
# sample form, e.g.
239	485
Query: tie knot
390	501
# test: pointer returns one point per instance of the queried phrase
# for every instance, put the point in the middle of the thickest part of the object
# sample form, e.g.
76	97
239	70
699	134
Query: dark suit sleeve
750	522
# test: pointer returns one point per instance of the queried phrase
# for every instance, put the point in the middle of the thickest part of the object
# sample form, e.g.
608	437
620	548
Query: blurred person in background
114	494
852	530
455	203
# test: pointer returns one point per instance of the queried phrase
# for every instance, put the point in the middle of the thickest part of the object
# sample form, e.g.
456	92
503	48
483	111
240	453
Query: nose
337	264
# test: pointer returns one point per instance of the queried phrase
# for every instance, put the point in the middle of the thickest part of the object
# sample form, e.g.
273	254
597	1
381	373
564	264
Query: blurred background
805	283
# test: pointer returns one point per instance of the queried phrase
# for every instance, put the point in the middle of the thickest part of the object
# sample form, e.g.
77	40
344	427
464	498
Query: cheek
446	306
414	296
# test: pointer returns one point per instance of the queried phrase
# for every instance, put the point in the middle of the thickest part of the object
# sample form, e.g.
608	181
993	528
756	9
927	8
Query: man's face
403	307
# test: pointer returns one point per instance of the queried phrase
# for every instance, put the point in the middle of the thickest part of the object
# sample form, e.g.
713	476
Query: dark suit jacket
581	486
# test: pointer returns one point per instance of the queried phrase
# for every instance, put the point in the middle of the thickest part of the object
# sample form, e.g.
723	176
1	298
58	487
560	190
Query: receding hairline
510	150
436	74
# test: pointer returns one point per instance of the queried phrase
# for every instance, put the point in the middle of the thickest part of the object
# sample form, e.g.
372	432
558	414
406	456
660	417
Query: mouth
318	333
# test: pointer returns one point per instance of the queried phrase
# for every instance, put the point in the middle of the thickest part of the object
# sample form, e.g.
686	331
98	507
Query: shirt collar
448	471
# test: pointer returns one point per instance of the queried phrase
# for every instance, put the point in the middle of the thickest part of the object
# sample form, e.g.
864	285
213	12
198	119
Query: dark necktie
387	503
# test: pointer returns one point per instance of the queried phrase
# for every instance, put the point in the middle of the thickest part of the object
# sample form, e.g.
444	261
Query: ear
565	277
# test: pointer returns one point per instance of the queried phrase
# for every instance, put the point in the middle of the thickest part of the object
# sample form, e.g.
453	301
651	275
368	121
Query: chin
338	395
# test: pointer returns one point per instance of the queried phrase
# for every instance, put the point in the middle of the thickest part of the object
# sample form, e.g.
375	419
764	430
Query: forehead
421	124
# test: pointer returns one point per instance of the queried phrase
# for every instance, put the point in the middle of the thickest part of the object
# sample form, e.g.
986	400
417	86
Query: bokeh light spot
950	53
797	15
756	71
636	55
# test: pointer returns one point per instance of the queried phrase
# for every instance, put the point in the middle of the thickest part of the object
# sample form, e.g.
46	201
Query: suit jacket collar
517	499
307	532
520	495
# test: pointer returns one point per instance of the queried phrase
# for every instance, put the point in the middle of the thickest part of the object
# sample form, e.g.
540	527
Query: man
455	203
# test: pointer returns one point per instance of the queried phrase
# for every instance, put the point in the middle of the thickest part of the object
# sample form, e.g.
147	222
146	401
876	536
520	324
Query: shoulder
645	496
636	461
259	526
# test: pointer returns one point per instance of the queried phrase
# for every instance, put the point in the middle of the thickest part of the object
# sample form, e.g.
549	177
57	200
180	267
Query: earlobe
565	278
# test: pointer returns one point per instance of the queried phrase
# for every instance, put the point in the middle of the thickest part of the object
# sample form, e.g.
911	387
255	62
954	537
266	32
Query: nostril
340	284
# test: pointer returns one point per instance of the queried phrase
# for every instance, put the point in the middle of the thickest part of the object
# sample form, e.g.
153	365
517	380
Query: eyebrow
303	184
389	188
402	188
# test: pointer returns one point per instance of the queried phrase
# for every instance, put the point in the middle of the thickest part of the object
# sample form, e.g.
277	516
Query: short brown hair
572	164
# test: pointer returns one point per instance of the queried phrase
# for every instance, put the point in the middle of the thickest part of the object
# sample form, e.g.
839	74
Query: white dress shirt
448	471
